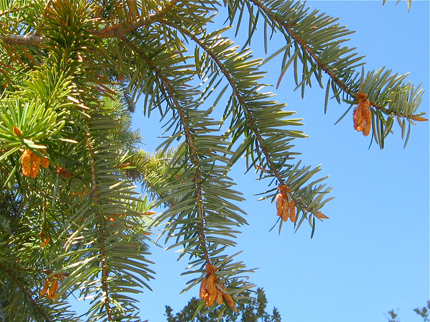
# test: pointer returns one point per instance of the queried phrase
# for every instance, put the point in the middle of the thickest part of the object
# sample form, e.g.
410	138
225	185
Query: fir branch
25	291
116	31
252	122
289	28
105	272
102	258
189	138
23	40
236	91
6	12
36	270
120	30
303	43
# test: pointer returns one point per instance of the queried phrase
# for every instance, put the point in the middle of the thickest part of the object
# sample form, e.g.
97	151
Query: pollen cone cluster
286	208
30	163
211	289
51	286
362	115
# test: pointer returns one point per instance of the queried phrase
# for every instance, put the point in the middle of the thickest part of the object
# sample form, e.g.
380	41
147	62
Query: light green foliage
71	72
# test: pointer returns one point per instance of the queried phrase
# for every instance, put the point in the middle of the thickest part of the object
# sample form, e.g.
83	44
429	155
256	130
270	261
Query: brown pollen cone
362	115
26	163
51	286
35	165
52	290
45	162
211	289
30	164
285	205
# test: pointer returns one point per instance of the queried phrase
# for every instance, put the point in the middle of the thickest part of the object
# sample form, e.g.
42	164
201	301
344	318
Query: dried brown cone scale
212	290
230	301
228	298
279	205
292	210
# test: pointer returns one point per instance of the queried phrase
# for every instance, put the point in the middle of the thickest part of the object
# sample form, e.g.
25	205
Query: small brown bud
124	165
219	297
320	215
64	173
419	118
45	239
17	131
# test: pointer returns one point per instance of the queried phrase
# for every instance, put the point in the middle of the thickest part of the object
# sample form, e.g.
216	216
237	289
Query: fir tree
71	72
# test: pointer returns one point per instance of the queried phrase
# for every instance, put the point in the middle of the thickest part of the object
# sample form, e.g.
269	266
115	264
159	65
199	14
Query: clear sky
372	255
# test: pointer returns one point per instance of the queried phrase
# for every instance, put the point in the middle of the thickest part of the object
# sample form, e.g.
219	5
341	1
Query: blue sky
372	255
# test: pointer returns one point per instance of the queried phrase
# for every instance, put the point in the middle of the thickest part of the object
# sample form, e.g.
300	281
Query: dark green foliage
423	312
253	310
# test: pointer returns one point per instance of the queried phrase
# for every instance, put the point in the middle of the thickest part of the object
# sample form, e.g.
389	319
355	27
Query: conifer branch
105	272
243	103
288	27
115	31
189	138
25	291
120	30
23	40
303	43
6	12
236	91
45	271
102	258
